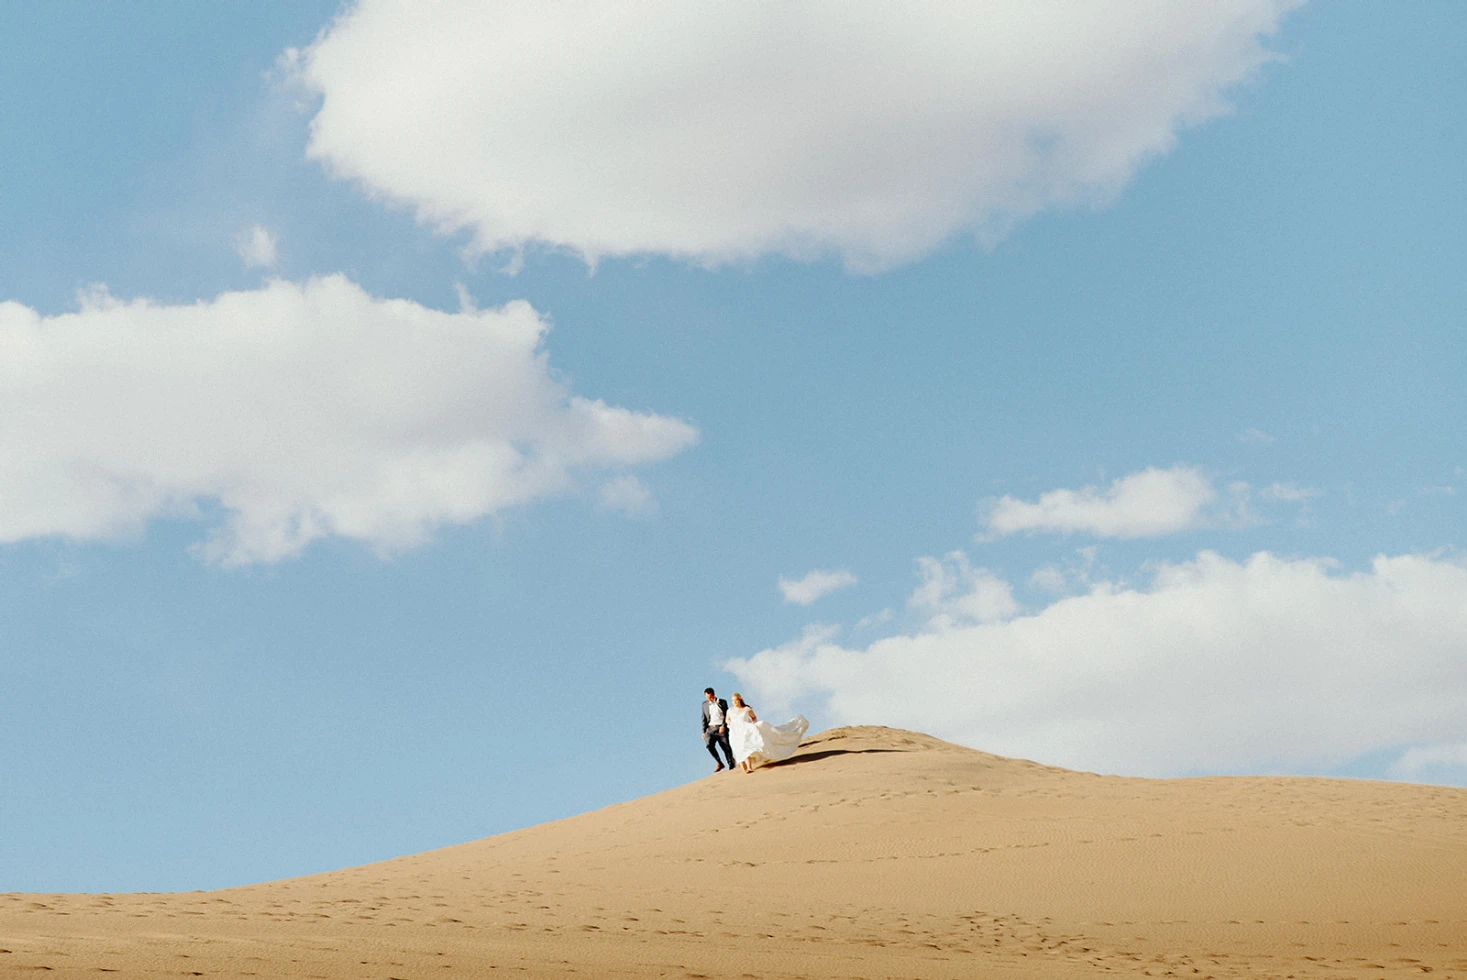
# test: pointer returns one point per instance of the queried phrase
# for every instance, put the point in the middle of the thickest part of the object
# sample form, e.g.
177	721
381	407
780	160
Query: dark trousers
714	738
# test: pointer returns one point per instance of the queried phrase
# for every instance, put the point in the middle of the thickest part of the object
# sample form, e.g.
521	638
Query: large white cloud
1216	665
720	131
300	410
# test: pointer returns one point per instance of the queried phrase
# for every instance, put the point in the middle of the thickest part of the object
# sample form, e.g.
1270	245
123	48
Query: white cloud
627	495
256	248
300	410
953	592
1396	506
1147	504
1257	436
815	585
1290	493
1216	665
1050	578
1422	760
1074	574
874	620
723	131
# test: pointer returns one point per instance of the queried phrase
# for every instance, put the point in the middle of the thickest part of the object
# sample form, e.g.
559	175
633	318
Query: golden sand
872	853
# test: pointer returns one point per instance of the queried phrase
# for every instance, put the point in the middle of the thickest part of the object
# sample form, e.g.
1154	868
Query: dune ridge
873	852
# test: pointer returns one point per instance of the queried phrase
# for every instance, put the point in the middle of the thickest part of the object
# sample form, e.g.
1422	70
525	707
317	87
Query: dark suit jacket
722	704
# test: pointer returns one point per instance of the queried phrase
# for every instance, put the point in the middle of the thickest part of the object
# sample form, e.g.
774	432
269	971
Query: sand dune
872	853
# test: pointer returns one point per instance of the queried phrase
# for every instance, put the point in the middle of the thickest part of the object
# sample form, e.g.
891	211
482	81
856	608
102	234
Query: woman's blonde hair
737	697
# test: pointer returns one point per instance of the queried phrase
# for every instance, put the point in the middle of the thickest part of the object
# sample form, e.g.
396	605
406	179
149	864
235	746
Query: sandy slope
873	853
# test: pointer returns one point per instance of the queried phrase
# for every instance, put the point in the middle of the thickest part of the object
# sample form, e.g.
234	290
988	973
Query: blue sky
1178	374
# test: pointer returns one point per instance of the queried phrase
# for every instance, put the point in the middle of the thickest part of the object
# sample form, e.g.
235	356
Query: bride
757	743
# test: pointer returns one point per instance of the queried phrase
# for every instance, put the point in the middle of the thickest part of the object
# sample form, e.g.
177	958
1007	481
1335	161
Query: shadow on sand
826	754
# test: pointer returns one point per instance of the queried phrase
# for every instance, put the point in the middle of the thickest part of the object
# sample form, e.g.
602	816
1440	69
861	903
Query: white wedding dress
760	742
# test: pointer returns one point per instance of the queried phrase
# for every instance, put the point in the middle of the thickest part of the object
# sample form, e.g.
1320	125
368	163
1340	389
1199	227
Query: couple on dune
745	739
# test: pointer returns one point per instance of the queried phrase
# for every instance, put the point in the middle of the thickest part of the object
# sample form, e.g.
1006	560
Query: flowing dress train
760	742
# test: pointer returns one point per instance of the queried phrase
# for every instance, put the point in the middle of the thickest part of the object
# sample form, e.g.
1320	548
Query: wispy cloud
874	620
1399	504
1256	436
1422	759
1150	503
627	495
256	248
1075	573
814	585
1290	493
954	592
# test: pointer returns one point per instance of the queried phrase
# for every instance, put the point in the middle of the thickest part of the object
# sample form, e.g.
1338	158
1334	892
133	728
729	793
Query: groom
715	728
